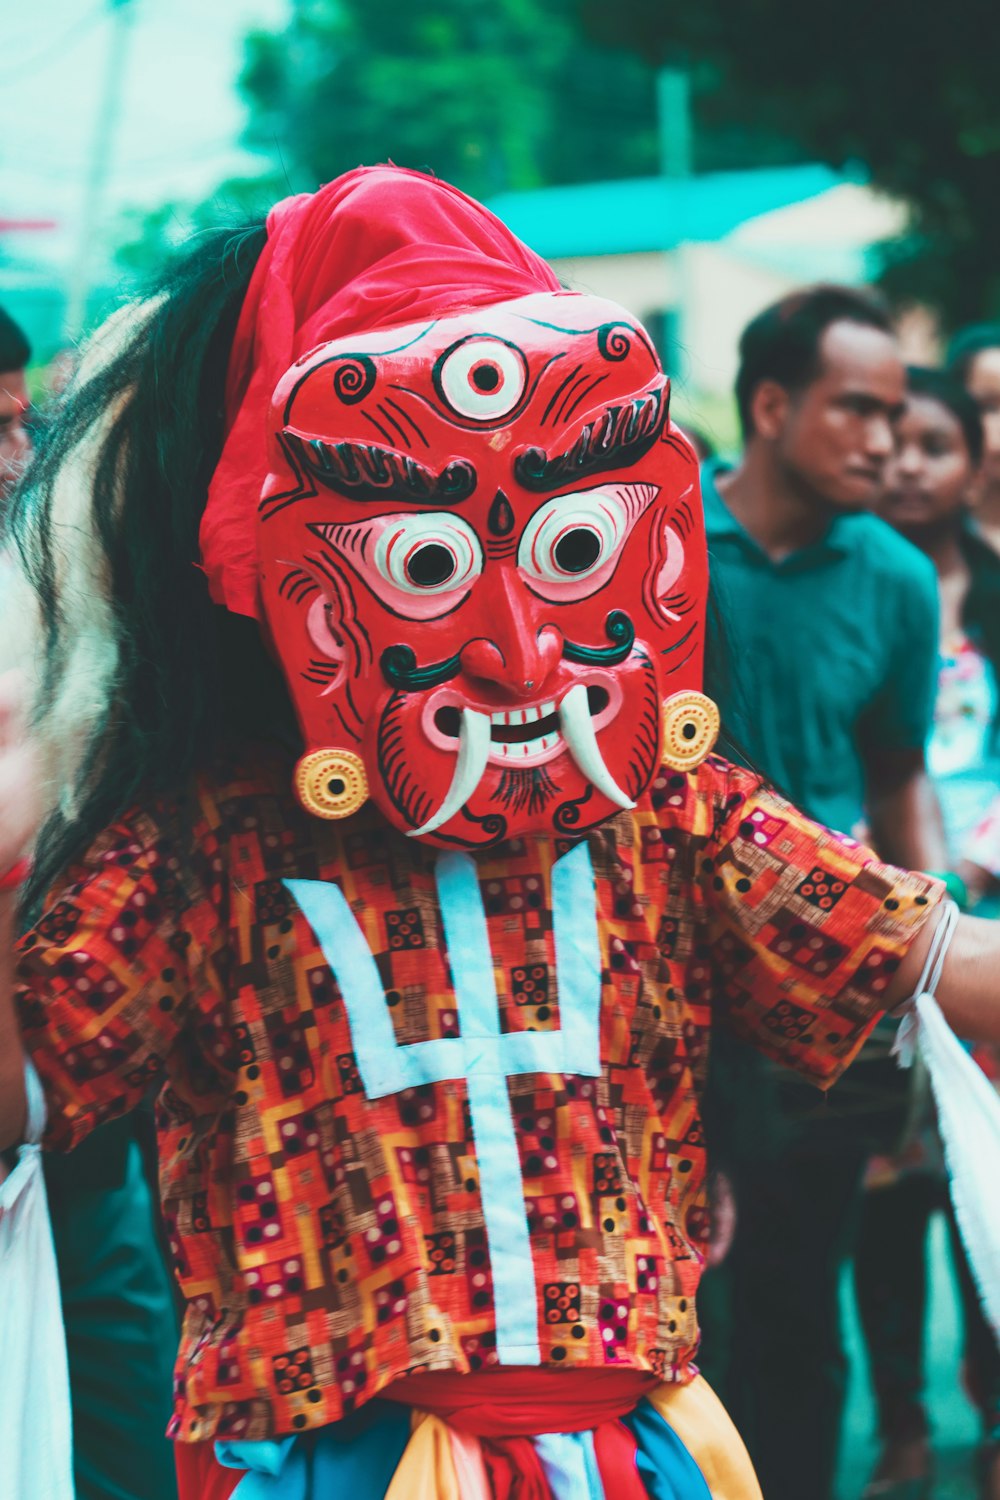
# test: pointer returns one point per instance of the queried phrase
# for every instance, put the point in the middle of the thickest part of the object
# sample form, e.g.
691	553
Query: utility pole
673	110
98	171
673	117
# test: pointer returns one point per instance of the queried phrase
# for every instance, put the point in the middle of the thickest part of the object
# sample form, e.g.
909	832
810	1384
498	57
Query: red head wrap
378	247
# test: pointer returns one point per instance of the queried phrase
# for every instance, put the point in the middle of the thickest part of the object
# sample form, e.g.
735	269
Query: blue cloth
665	1466
570	1464
354	1459
263	1457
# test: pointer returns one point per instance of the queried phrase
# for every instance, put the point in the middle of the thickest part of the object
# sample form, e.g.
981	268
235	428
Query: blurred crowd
855	653
855	559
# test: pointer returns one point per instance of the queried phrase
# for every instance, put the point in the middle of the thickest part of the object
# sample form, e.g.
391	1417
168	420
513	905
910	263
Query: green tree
905	87
148	241
498	96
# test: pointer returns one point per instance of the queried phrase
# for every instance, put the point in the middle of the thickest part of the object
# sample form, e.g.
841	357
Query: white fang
581	741
473	753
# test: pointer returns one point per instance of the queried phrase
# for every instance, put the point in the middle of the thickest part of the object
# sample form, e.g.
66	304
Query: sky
179	124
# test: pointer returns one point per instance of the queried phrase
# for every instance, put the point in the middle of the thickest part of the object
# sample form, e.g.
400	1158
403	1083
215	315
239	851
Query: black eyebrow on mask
368	471
617	436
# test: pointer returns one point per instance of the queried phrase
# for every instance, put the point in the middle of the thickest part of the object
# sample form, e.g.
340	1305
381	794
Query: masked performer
430	969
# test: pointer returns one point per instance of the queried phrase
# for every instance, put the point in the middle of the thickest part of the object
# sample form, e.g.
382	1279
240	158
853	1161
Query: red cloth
524	1402
501	1407
515	1470
200	1476
615	1449
378	247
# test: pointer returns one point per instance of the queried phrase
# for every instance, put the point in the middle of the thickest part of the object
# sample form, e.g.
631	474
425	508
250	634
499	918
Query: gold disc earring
690	729
331	783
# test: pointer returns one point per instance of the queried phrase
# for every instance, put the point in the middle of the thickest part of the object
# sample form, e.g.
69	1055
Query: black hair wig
782	342
139	434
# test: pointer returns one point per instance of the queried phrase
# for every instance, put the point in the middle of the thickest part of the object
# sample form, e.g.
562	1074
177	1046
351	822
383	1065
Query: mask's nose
515	655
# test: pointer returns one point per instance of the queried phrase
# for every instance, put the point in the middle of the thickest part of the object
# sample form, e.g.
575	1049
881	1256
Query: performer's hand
968	992
20	802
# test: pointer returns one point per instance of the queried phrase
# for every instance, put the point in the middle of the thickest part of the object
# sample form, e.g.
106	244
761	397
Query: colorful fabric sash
677	1443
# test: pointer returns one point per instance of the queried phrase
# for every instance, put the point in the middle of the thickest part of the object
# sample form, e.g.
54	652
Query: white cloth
968	1111
35	1426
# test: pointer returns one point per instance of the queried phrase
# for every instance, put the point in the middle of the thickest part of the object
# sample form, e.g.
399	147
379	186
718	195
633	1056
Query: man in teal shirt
834	645
829	636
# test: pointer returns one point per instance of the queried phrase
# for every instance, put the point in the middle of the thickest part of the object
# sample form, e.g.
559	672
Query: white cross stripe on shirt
481	1054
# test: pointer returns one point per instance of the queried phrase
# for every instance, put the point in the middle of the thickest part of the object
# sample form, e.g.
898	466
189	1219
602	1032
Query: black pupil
577	550
431	565
486	377
336	787
690	730
449	721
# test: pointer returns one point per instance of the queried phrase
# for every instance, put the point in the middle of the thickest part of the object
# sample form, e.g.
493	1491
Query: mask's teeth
473	753
581	741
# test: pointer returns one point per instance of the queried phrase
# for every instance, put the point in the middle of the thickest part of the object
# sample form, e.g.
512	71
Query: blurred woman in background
930	497
930	494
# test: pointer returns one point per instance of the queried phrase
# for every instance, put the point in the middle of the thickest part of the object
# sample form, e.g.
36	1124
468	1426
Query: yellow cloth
705	1428
426	1470
440	1464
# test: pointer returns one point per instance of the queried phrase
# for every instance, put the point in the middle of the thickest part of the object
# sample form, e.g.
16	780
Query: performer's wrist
954	885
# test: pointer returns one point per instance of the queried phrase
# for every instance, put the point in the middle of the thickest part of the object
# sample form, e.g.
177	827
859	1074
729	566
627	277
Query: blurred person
433	1238
973	357
15	444
932	491
820	385
15	404
117	1299
834	618
933	498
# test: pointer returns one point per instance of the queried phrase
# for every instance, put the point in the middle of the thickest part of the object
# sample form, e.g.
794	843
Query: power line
36	61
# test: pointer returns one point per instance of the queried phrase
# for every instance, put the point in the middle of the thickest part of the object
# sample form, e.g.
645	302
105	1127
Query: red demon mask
482	564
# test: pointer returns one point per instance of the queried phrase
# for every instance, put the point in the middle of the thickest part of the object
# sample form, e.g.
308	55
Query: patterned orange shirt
421	1111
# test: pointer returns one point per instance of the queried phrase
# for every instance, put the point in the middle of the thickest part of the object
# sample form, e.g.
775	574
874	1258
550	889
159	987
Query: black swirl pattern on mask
614	341
566	818
353	377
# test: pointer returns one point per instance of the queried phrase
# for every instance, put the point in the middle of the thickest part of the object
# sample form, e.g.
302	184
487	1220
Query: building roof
654	213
